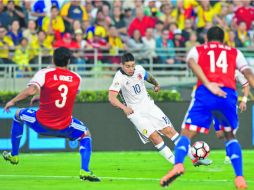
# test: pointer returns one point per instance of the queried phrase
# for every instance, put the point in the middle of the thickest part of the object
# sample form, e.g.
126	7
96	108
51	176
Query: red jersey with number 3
58	90
218	62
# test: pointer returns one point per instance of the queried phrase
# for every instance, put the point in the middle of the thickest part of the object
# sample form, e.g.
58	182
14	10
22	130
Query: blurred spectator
128	17
138	4
6	44
117	4
244	13
158	29
42	45
242	36
31	33
97	4
179	14
53	24
79	56
66	42
221	19
136	45
71	11
89	8
12	12
231	39
106	11
167	17
118	21
172	28
41	8
97	42
152	10
27	10
100	25
15	33
141	23
179	45
187	29
165	48
21	56
79	38
1	9
76	26
192	41
150	43
115	44
205	13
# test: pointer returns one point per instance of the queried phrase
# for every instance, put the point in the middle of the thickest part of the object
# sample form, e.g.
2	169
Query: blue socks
181	149
234	151
16	134
85	150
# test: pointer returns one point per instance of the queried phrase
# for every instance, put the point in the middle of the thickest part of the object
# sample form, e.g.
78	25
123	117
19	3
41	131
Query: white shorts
147	119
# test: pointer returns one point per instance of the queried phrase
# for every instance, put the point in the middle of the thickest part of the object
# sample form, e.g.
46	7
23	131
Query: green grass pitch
118	171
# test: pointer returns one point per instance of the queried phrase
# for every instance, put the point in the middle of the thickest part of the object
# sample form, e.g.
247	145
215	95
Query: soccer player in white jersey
148	119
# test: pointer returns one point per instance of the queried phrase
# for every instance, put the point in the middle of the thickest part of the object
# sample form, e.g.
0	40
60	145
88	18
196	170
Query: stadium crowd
155	28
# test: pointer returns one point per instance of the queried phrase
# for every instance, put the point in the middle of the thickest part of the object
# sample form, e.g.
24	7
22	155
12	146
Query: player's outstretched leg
181	150
234	151
85	153
16	134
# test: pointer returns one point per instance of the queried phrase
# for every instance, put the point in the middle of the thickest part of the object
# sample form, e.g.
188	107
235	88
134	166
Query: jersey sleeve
241	79
116	84
193	53
144	73
38	79
241	63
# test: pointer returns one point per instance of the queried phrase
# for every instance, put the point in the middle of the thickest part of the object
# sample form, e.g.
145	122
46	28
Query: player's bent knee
16	116
155	138
188	133
229	135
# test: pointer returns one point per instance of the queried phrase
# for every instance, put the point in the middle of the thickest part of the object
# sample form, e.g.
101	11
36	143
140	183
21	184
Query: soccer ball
200	150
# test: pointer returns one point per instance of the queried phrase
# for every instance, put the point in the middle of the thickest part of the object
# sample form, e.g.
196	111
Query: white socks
165	152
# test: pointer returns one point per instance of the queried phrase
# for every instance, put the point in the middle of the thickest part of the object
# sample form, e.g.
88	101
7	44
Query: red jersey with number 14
58	90
218	62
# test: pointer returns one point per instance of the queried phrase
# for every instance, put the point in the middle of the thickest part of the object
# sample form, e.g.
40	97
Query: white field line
117	178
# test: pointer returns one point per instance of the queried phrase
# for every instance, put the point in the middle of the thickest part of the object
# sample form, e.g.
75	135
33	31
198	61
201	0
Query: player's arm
112	97
29	91
249	76
35	98
149	78
243	103
213	87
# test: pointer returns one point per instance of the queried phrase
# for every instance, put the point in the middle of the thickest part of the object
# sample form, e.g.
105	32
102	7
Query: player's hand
34	100
128	111
157	88
242	106
215	88
8	105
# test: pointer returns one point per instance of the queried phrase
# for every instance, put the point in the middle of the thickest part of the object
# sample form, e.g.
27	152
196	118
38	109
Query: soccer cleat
12	159
204	162
176	172
89	176
227	160
240	182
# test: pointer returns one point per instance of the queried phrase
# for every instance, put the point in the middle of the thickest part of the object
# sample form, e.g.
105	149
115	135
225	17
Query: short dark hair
62	56
127	57
215	33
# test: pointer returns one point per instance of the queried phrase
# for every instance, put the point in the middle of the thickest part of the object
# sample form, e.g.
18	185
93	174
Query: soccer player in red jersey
214	64
58	88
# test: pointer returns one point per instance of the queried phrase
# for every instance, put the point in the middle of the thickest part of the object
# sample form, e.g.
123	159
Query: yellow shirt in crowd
4	53
57	24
